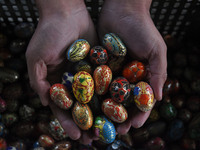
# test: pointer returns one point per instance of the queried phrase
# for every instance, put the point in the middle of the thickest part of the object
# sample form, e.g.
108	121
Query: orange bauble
134	71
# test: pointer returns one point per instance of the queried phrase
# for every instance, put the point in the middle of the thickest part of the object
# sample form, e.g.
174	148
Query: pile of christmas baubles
99	91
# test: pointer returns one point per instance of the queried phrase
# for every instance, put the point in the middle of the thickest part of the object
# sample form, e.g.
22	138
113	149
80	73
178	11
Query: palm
46	57
143	42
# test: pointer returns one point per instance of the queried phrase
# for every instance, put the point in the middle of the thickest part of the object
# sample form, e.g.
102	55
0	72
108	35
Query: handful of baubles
100	90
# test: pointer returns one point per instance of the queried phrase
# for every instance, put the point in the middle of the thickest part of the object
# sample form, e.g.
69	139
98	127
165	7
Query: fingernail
137	124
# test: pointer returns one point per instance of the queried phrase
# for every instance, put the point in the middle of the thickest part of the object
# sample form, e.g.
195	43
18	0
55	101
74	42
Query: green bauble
168	111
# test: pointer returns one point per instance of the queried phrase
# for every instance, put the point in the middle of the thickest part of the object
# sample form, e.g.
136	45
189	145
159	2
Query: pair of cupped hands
62	22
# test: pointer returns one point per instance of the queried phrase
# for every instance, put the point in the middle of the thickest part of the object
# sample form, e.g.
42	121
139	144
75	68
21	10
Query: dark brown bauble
17	46
185	115
193	103
24	30
178	101
13	91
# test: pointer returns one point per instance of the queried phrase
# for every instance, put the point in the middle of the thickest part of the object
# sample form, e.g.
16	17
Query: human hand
60	24
131	21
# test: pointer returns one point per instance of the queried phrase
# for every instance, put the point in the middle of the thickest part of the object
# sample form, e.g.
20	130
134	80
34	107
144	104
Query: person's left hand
131	21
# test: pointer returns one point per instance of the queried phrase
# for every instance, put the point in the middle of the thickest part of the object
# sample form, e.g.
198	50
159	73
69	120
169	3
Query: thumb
158	69
37	74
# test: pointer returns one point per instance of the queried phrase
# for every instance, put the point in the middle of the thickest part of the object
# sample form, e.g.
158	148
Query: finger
158	69
66	121
124	127
139	118
86	138
37	74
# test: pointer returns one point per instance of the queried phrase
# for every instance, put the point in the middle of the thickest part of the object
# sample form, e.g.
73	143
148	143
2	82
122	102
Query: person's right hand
60	24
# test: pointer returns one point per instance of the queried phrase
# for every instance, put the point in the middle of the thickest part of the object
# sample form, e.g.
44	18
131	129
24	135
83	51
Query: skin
59	26
131	21
62	23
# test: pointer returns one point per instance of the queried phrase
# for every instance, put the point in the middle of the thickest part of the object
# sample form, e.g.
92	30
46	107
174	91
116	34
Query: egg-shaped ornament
135	71
98	55
61	96
120	89
104	129
67	80
83	65
82	116
63	145
2	129
78	50
143	96
102	78
114	111
3	144
56	130
46	141
83	87
114	44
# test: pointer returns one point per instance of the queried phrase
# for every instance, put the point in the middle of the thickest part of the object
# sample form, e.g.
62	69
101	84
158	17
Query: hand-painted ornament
2	128
143	96
83	65
140	135
157	128
194	127
114	62
94	104
60	95
46	141
23	128
36	144
67	80
118	144
3	144
42	126
114	111
120	89
18	144
12	91
104	129
11	148
17	46
78	50
126	138
167	111
63	145
82	116
24	30
188	143
114	44
9	118
185	115
83	87
3	105
102	78
8	75
134	71
56	130
154	115
176	130
26	112
156	143
98	55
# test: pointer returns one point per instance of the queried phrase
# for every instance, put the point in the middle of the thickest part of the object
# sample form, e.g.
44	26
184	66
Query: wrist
48	8
142	6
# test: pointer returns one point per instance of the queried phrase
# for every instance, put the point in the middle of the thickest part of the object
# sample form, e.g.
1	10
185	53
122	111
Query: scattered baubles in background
174	122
